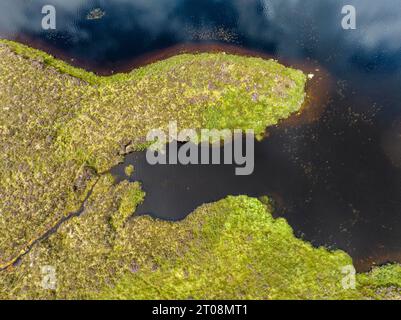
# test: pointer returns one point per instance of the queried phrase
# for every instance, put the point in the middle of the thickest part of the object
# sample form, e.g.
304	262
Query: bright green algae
61	127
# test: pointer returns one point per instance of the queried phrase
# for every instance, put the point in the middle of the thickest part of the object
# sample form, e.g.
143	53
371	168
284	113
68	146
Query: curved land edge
318	88
98	247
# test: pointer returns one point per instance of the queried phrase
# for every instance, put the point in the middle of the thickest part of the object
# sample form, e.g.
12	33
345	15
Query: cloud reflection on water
296	27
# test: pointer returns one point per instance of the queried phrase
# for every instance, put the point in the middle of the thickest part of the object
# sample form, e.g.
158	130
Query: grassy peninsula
62	128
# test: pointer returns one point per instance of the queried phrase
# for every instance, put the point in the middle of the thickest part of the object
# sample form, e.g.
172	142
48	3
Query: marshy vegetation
62	129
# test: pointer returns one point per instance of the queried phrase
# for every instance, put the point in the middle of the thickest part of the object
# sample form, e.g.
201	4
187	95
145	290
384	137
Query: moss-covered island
62	129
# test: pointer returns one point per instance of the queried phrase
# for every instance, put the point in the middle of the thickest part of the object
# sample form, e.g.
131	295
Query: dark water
337	180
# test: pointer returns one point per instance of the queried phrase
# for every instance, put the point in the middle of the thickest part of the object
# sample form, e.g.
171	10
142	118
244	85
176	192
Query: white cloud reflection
378	22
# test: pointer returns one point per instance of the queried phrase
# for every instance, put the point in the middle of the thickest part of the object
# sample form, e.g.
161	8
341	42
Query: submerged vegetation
62	129
95	14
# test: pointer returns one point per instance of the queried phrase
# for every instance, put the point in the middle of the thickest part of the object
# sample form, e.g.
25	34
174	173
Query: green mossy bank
231	249
61	128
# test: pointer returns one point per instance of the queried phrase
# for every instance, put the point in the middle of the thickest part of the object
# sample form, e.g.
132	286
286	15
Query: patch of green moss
238	251
231	249
83	252
128	202
382	282
129	170
48	60
259	100
36	186
389	275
